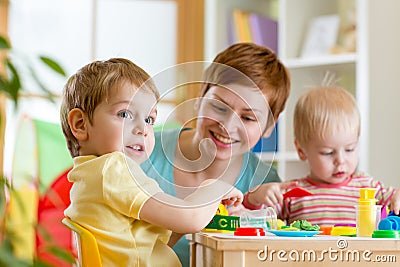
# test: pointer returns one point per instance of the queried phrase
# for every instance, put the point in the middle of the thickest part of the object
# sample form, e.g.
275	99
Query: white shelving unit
293	17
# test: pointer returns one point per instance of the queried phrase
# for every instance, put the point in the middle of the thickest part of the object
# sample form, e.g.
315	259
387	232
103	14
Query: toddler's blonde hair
322	111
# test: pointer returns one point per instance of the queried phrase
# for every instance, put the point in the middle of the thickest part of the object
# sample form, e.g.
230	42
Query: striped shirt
331	203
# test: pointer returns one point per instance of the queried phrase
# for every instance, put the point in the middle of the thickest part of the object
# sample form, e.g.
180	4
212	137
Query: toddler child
107	117
326	130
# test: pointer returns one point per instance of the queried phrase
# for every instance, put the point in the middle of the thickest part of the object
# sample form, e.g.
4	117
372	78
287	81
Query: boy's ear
77	121
300	150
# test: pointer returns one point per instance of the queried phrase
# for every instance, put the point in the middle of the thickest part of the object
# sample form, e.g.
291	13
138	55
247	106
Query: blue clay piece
391	213
390	223
385	224
396	219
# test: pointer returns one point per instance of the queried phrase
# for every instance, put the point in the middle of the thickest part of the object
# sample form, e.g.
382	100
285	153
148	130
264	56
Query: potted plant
11	86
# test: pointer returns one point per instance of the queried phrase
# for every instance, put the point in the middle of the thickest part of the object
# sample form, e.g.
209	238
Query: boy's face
333	159
123	123
233	119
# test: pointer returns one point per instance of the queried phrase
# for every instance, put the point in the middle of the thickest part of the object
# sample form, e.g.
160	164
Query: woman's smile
221	140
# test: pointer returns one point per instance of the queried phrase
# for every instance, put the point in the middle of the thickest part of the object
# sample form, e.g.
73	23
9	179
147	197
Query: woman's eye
349	149
149	120
125	115
249	119
218	108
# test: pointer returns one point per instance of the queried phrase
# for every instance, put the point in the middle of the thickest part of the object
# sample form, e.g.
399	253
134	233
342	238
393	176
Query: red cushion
51	231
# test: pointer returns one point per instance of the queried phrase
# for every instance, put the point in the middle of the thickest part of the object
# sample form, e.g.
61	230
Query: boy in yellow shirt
107	116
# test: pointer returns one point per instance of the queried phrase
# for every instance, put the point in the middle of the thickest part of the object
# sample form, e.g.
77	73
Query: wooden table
215	250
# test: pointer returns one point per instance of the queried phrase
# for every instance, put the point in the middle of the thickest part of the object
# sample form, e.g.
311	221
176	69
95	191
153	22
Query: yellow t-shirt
106	198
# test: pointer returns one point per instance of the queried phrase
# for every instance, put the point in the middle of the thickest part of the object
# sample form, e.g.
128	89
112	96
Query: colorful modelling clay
249	231
221	222
304	225
390	223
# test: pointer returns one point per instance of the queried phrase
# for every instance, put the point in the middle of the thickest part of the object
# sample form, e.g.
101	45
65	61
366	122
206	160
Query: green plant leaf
11	84
4	44
53	65
7	260
42	231
13	70
14	81
61	253
7	88
7	257
41	264
48	93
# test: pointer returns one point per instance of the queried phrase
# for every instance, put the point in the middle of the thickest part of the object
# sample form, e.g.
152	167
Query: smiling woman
243	92
233	118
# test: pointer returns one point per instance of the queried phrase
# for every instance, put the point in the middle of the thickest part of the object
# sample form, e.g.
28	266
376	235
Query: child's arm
395	202
269	194
193	213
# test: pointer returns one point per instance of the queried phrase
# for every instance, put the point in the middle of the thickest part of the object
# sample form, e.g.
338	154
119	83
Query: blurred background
355	40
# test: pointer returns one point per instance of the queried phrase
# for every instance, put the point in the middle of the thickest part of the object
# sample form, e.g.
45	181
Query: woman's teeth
222	139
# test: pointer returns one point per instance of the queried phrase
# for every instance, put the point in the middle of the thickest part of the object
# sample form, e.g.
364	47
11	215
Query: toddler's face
124	123
233	119
333	159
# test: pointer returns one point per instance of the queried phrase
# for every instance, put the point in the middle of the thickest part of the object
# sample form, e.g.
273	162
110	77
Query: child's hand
269	194
234	197
395	202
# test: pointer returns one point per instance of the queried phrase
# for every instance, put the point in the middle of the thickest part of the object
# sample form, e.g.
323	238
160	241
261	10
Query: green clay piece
304	225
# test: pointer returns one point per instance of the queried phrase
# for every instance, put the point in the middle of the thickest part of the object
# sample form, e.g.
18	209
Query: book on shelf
240	26
247	26
264	31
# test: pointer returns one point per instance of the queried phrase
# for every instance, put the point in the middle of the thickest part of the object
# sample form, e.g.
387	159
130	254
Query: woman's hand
269	194
395	202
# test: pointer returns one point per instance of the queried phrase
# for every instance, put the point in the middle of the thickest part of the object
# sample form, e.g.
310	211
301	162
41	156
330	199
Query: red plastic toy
297	192
248	231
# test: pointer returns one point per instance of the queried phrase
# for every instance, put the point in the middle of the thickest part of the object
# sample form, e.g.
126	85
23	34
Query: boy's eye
125	114
349	149
326	153
150	120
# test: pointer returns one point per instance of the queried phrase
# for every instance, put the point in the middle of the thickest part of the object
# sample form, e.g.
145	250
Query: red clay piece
249	231
297	192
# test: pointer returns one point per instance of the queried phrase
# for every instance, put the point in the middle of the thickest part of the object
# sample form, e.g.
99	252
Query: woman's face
233	118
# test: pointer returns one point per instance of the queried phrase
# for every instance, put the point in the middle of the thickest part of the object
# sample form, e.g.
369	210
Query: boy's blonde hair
257	63
322	111
92	84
